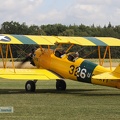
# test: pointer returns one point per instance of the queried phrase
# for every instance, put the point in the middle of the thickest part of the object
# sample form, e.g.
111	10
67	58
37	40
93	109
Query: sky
42	12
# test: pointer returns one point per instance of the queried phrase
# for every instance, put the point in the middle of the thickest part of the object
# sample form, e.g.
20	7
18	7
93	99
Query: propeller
29	57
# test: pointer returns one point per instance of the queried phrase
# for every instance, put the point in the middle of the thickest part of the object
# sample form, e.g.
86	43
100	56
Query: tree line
64	30
59	29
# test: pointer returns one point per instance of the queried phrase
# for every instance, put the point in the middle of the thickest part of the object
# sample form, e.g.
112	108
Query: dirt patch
17	65
107	64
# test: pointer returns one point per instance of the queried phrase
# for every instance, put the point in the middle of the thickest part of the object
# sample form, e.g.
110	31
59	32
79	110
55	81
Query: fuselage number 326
79	72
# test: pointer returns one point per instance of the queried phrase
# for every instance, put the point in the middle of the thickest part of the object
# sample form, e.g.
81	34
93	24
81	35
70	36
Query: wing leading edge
51	40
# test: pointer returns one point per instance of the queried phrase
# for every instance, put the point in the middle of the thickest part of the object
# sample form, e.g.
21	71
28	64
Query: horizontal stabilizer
117	69
106	76
115	75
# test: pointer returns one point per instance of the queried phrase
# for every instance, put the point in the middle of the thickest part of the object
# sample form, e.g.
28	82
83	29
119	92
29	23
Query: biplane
59	64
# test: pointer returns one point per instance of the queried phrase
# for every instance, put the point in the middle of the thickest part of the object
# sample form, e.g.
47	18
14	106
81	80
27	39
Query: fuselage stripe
86	69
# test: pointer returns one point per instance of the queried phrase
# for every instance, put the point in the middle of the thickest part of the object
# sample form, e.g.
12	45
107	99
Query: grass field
79	102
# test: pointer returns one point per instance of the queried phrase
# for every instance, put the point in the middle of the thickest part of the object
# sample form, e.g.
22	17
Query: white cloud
100	12
18	10
87	12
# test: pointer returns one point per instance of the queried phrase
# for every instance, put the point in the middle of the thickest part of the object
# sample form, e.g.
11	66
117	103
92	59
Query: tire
30	86
61	85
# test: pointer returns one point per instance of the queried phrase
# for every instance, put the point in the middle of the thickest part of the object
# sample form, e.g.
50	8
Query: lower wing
28	74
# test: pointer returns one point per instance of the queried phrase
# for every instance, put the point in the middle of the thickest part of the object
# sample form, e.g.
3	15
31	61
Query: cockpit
72	56
59	52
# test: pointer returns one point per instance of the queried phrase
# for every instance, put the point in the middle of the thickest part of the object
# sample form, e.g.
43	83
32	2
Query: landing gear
60	85
30	86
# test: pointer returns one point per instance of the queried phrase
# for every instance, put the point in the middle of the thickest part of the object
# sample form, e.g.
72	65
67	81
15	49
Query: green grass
79	102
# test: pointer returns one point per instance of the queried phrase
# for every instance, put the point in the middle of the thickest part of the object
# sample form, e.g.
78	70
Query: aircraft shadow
81	92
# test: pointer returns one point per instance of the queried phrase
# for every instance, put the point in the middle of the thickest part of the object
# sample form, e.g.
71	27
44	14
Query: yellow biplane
60	64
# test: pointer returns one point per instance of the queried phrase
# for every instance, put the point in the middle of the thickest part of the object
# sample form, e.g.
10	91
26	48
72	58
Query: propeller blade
28	58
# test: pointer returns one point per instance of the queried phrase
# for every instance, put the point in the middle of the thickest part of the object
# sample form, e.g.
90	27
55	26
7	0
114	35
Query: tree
14	28
67	32
36	30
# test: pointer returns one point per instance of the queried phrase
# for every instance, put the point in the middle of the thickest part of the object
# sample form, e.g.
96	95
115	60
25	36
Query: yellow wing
51	40
27	74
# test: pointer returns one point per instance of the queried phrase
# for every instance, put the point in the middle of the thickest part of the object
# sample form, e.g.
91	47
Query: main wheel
60	85
30	86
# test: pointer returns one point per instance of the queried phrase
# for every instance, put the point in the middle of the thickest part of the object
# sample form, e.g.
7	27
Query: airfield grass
79	102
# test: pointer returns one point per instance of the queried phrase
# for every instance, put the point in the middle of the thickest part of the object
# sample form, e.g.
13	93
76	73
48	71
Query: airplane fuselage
78	70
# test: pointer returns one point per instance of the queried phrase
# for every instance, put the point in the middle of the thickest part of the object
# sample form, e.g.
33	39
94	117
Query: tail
117	70
111	79
114	75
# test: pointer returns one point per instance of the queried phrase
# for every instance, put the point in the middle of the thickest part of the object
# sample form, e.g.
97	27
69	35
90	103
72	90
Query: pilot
59	52
77	56
73	56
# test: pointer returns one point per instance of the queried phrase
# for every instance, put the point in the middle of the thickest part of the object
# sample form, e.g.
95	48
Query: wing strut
8	50
69	48
101	60
1	51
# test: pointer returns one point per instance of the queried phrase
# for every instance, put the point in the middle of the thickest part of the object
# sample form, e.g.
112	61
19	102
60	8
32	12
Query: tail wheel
30	86
60	85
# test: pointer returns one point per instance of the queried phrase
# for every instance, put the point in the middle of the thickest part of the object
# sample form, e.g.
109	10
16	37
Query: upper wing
51	40
27	74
